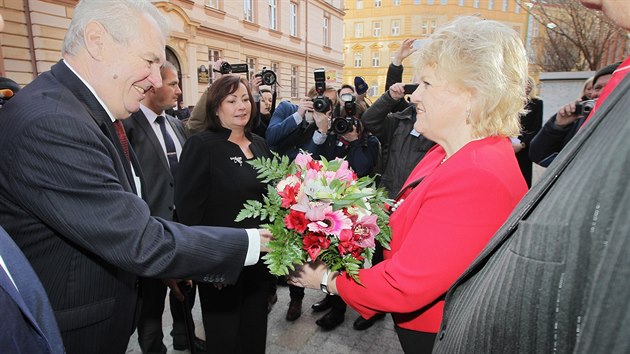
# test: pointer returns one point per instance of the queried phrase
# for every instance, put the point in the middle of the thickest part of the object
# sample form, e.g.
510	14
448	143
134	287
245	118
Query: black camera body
268	76
226	68
342	125
410	88
584	108
321	103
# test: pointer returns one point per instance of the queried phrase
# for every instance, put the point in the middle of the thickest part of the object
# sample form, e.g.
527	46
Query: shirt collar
111	116
151	116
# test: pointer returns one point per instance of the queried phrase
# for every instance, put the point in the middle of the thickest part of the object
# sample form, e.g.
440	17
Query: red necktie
616	78
122	137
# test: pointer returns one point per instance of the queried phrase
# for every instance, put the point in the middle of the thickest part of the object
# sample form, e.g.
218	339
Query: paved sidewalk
303	336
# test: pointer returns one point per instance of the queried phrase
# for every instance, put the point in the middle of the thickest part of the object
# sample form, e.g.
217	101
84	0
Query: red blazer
438	231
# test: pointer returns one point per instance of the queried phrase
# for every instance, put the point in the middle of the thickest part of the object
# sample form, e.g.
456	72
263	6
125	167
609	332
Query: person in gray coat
554	278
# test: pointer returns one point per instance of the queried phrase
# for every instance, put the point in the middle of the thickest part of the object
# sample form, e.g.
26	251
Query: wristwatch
323	285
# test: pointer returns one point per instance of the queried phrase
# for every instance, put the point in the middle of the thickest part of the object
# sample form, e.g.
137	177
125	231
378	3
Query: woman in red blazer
472	76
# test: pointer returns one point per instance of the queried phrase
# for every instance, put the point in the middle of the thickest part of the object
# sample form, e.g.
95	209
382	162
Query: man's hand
397	91
566	115
322	120
173	284
265	237
352	135
305	105
405	50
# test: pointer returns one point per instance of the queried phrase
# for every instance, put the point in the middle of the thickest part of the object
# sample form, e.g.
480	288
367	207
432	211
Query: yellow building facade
375	29
291	37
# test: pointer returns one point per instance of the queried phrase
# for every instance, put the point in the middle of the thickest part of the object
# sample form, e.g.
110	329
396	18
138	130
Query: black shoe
295	310
331	320
200	345
271	301
361	324
322	305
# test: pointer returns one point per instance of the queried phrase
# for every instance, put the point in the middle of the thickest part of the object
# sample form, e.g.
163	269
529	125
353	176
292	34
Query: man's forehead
603	80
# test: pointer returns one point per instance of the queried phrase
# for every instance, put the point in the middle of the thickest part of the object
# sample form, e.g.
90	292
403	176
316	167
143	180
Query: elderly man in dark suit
157	139
554	279
28	324
69	187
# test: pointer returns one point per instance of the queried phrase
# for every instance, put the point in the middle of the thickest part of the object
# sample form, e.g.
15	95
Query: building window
443	2
273	15
373	90
476	4
425	27
377	3
213	55
251	67
490	4
396	2
326	32
376	59
376	29
395	27
294	82
212	3
416	2
462	2
433	25
359	5
357	60
275	67
248	10
517	9
358	29
293	19
430	2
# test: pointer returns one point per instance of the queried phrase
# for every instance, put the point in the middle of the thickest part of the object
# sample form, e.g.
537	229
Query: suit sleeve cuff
319	137
253	251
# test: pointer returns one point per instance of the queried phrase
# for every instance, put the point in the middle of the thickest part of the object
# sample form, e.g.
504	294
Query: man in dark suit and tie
554	279
70	186
157	139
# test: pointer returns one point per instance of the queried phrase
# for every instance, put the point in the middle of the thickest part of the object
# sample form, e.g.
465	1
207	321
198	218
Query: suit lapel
67	78
179	131
143	123
9	288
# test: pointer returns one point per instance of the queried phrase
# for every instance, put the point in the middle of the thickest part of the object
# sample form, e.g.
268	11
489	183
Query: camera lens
321	104
341	126
268	77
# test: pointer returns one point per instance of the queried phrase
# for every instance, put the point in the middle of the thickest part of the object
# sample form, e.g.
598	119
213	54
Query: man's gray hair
119	17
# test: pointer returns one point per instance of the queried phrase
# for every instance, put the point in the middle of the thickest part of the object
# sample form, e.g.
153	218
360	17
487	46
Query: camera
342	125
226	68
410	88
321	103
268	76
584	108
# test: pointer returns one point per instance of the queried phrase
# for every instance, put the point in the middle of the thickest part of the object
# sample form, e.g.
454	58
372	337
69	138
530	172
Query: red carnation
313	244
296	220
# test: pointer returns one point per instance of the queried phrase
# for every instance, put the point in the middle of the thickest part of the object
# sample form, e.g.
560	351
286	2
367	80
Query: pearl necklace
397	204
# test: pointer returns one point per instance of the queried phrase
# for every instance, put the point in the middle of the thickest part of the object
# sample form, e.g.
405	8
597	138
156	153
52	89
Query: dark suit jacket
67	200
158	182
28	315
555	277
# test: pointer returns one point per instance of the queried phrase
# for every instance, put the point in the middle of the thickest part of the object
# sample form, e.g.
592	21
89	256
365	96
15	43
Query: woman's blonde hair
488	59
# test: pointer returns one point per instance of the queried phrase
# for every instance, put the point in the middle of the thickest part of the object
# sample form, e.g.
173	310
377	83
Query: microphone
6	93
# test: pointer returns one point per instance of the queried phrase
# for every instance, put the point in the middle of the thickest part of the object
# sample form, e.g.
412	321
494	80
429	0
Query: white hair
119	17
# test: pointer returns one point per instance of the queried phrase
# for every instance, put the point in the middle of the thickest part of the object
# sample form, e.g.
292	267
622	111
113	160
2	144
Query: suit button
170	184
442	335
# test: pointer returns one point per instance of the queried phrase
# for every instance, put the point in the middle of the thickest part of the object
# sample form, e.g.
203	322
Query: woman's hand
310	276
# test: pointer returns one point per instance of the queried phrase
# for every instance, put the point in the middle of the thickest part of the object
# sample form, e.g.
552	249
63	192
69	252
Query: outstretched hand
265	237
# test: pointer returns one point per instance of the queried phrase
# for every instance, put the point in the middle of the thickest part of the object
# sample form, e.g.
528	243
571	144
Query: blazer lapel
179	132
143	123
67	78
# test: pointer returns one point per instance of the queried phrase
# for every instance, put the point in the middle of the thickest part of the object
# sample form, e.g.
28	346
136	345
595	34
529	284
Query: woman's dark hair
218	92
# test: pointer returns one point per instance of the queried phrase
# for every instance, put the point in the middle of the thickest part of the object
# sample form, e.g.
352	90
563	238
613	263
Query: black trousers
150	334
415	342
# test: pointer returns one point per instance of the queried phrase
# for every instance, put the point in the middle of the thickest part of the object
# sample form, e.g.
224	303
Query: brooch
237	159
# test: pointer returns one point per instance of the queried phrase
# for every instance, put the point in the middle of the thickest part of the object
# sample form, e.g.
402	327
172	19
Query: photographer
300	127
562	126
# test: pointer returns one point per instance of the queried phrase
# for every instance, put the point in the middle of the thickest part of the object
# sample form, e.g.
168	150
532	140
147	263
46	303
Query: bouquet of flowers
318	210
